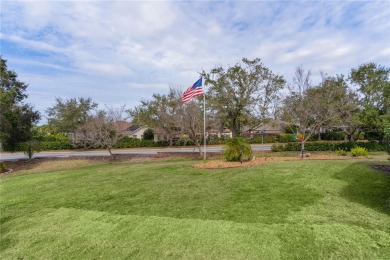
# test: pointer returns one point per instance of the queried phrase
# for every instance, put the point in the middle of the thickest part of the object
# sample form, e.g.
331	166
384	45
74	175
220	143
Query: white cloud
110	50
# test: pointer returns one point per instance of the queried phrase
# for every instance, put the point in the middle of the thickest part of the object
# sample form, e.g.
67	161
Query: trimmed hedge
128	142
285	138
55	145
266	139
328	146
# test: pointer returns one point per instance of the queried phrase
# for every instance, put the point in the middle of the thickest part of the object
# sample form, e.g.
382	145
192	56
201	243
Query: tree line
247	94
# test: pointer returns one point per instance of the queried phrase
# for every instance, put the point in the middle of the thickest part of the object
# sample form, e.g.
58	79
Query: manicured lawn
170	210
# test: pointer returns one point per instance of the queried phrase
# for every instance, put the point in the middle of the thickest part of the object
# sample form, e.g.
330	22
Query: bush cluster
328	146
359	151
56	145
129	142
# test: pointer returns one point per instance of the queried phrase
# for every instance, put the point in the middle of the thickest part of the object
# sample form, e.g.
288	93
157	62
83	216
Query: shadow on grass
366	186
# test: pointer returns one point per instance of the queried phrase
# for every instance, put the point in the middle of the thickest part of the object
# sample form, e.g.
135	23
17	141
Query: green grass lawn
170	210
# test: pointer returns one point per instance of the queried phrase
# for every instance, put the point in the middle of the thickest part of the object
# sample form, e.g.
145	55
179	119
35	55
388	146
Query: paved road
54	154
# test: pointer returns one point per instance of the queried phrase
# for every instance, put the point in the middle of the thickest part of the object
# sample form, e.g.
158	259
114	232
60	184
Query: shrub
130	142
56	145
148	134
266	139
285	138
216	140
374	135
3	167
277	148
333	136
237	148
341	152
359	151
330	146
31	147
359	136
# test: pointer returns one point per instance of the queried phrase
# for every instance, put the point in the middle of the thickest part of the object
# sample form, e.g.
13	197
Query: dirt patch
217	164
383	168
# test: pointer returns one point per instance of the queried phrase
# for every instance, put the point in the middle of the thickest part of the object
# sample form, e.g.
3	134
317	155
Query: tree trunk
111	154
197	145
302	148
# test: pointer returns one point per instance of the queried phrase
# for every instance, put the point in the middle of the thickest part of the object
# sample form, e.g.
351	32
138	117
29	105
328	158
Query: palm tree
237	148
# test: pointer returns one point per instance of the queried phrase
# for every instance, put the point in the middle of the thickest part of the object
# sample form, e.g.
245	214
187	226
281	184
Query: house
131	130
159	134
225	133
136	131
271	128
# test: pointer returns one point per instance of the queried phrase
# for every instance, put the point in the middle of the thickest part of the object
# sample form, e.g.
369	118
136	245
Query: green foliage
359	136
341	152
237	148
374	135
373	83
16	117
329	146
3	167
278	148
266	139
56	145
291	129
333	136
130	142
67	115
387	139
148	134
216	140
31	147
359	151
285	138
47	133
234	90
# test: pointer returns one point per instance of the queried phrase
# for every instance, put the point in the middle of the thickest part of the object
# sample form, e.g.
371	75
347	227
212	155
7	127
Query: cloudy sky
119	52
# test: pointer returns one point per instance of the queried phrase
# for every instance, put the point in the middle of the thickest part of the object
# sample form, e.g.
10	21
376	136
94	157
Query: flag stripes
193	91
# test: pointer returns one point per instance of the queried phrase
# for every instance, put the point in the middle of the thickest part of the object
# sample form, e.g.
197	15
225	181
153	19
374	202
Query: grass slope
170	210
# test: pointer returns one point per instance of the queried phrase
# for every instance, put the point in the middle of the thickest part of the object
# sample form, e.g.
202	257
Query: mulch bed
383	168
218	164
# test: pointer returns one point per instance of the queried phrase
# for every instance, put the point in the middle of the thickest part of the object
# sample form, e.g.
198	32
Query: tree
242	94
102	129
373	84
387	139
312	107
237	148
160	113
67	115
16	117
172	117
148	134
349	119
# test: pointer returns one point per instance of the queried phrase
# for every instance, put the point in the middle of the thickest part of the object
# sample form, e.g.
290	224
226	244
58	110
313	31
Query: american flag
193	91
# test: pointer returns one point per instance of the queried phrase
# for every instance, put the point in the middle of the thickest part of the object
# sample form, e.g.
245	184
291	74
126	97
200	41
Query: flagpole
204	125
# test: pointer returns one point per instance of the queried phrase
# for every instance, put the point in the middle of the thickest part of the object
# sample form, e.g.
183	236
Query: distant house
123	125
225	133
159	134
272	128
136	131
131	130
